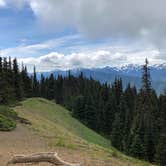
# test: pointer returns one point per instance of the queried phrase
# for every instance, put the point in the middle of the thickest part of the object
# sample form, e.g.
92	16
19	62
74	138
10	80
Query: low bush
8	112
6	124
8	118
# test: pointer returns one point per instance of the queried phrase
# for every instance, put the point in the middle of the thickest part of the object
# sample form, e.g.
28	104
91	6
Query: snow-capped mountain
158	71
129	74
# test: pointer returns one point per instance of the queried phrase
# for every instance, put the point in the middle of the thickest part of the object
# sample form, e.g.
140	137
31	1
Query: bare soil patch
24	141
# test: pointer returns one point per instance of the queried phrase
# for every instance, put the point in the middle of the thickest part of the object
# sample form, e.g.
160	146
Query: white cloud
50	55
80	54
121	19
2	3
91	59
104	18
35	49
26	49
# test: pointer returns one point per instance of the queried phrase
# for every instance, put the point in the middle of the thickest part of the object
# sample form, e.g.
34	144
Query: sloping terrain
54	129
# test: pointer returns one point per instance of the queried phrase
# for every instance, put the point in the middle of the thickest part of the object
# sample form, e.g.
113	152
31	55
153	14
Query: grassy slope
7	119
59	128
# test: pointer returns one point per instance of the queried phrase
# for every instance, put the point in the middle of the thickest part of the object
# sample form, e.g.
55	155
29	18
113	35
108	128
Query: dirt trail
19	141
24	141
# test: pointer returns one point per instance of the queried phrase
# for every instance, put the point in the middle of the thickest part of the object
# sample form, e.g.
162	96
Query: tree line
134	121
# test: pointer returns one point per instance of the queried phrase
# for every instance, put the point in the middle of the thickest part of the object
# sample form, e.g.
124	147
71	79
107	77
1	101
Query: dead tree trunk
40	157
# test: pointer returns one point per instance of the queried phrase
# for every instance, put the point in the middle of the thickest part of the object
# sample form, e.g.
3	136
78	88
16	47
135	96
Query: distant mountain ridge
129	74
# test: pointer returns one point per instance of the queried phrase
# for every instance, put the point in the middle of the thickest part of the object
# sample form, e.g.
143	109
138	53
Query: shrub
6	124
8	112
8	118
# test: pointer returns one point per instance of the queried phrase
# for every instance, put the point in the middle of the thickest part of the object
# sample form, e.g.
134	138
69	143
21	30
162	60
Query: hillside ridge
55	125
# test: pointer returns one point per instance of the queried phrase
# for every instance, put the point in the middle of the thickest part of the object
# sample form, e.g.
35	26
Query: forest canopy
134	120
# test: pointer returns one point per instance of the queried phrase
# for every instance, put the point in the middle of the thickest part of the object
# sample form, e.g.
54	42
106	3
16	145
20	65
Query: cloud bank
129	20
103	18
74	52
91	59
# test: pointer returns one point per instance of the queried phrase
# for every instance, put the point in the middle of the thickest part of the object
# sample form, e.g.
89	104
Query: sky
69	34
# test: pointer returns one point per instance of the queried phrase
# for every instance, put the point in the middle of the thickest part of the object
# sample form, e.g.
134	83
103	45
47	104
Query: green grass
56	124
8	112
7	118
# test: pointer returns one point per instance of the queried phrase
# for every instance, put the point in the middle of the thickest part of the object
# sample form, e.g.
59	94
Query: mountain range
129	74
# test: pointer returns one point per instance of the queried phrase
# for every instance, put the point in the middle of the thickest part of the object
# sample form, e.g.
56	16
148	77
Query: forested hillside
134	121
129	74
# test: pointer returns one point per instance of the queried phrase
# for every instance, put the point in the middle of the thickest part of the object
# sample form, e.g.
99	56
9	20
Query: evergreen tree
6	92
78	109
137	148
43	87
161	147
90	112
59	90
146	80
26	82
110	109
17	81
145	128
51	87
35	85
117	132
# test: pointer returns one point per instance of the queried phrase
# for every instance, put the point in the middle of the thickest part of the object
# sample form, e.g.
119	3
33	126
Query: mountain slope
65	134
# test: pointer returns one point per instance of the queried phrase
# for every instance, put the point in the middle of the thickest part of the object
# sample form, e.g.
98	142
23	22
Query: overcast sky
65	34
